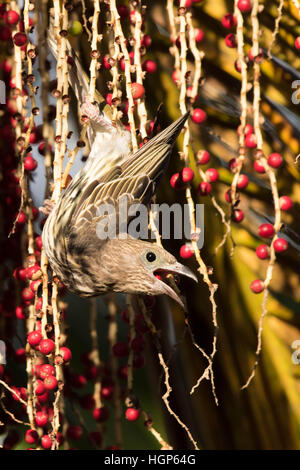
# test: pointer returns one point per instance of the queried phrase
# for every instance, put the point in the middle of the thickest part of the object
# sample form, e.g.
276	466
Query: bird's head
139	263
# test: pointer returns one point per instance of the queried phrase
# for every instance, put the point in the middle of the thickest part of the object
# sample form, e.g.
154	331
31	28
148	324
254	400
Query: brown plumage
90	266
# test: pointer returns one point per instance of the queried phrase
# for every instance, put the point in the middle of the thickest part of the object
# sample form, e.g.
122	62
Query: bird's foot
47	208
92	111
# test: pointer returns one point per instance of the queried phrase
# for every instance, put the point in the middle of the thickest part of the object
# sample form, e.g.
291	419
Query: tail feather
78	79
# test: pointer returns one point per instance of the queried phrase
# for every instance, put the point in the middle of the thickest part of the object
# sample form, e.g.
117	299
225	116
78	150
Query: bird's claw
93	113
47	208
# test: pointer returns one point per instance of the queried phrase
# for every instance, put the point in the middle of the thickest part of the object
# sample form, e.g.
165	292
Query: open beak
180	270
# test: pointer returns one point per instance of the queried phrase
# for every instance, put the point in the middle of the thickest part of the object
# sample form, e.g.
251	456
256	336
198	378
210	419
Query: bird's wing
107	203
137	177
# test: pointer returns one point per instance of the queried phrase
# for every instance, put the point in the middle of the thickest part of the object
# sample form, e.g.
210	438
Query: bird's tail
78	79
153	157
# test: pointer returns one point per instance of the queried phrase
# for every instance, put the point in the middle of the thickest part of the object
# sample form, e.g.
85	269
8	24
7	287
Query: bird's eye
150	256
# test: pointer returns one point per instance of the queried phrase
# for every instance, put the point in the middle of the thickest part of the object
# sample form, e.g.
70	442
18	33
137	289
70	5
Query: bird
87	265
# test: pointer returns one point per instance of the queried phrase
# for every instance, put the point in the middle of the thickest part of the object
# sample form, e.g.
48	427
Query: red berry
229	21
96	437
34	285
120	349
257	286
21	218
11	17
123	11
78	380
250	141
107	392
41	418
228	197
275	160
34	338
132	17
199	35
176	181
106	62
247	130
6	66
32	271
285	203
137	90
238	215
66	354
259	167
43	398
176	76
92	372
280	245
36	135
242	181
230	40
17	394
237	65
266	230
186	251
39	304
46	346
20	39
30	163
100	414
31	436
5	33
108	98
202	157
190	93
146	41
74	432
45	370
262	251
258	58
297	42
204	188
46	442
149	66
50	382
132	414
20	313
138	344
198	116
212	175
244	5
40	387
27	294
39	243
233	165
20	355
187	174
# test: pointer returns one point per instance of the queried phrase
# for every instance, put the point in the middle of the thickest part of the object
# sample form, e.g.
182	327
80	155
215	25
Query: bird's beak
178	269
181	270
